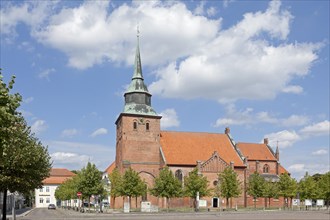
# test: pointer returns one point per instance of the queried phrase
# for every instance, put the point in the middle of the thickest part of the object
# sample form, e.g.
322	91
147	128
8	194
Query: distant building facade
46	194
144	147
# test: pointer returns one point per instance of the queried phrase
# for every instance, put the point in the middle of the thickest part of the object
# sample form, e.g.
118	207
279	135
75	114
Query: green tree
116	181
256	187
132	185
24	161
287	187
166	185
195	183
68	190
90	182
228	184
324	187
271	191
307	188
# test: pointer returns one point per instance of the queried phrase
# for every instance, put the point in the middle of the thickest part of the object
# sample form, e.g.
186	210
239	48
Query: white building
46	195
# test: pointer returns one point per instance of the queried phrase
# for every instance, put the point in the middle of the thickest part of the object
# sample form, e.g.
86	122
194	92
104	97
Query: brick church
143	146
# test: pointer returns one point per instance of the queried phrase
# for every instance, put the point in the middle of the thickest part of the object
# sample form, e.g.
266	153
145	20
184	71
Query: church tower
138	128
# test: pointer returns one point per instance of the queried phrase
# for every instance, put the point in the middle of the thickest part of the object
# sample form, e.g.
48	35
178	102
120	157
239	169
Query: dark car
51	206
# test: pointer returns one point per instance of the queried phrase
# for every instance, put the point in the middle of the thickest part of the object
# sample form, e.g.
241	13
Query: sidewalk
19	212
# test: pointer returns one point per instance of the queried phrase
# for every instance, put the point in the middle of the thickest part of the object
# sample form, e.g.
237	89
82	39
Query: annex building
143	146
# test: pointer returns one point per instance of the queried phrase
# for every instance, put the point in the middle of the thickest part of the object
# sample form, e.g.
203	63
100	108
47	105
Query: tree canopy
228	184
256	186
195	183
24	161
166	185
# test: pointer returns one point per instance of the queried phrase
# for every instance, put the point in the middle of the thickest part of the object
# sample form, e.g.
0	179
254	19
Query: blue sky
258	67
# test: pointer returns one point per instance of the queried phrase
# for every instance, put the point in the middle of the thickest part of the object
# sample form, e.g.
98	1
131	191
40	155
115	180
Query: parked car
51	206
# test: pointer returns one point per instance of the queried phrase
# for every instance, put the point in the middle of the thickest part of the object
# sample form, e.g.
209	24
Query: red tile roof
282	170
58	176
256	151
110	168
185	148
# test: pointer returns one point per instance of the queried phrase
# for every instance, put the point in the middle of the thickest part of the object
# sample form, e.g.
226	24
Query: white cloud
320	152
28	100
100	131
249	117
66	159
69	132
283	138
240	62
297	168
77	30
318	129
293	89
39	126
45	73
169	118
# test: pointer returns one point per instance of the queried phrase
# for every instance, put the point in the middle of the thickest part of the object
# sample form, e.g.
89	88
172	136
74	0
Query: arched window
266	168
178	175
147	126
134	125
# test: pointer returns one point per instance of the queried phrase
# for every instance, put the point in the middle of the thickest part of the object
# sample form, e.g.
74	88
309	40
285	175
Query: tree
307	188
271	191
132	186
324	187
287	187
166	185
68	190
116	181
256	186
90	182
24	161
194	184
229	185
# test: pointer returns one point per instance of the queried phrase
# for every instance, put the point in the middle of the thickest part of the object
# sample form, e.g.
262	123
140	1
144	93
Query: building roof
186	148
282	170
58	176
110	168
254	151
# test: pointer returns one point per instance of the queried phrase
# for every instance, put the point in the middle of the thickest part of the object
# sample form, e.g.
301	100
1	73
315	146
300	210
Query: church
144	147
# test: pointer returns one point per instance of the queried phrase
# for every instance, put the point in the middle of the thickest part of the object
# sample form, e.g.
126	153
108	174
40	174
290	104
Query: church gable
215	164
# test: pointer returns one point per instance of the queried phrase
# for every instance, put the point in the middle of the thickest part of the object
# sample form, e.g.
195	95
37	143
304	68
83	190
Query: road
45	214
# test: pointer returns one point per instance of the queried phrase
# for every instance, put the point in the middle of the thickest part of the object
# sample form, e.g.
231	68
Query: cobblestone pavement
45	214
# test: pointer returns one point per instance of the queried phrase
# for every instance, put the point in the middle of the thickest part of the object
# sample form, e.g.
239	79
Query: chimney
266	141
232	164
257	166
227	130
199	166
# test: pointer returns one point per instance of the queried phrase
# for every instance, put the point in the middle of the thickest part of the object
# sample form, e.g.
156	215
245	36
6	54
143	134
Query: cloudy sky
258	67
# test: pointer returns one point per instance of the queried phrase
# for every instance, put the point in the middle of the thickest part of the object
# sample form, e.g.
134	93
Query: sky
258	67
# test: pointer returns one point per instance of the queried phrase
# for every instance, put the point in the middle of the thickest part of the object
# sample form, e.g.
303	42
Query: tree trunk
255	202
227	203
4	207
114	203
136	202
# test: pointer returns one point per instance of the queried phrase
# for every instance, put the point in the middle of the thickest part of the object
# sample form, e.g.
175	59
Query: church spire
137	64
137	96
277	153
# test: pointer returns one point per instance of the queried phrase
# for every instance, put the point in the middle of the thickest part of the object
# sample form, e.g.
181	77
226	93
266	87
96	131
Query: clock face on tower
141	121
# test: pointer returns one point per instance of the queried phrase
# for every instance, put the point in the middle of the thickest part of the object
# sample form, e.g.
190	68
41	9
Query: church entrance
215	202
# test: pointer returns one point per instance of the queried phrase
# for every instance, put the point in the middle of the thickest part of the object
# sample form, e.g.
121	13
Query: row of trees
24	161
166	185
309	187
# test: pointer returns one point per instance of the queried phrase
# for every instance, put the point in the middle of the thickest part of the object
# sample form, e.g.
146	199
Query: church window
266	168
178	175
134	125
147	126
215	182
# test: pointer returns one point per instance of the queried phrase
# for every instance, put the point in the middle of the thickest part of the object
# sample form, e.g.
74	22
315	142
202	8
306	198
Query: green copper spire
137	96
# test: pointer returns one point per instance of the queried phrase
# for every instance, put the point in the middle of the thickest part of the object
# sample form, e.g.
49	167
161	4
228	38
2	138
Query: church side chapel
144	147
